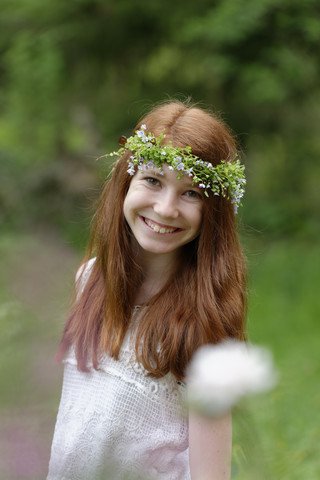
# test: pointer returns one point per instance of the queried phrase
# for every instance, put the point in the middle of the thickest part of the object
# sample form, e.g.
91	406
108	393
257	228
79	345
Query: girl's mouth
159	228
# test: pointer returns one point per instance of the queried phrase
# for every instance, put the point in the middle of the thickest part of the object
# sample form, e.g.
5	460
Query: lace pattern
118	423
119	416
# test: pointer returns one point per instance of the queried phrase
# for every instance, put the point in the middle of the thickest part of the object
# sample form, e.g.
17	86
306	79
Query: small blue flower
180	166
142	136
131	169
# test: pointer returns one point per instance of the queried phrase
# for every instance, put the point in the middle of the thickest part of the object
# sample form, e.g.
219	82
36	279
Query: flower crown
226	179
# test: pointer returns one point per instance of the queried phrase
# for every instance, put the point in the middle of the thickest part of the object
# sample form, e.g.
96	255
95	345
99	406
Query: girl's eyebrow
149	171
187	182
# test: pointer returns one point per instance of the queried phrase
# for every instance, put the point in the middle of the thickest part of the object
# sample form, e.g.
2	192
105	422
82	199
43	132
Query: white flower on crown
221	375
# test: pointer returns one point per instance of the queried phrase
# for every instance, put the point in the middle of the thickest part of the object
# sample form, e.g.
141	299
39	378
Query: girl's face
164	213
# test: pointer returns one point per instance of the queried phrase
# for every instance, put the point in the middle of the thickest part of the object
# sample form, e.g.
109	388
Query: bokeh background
77	74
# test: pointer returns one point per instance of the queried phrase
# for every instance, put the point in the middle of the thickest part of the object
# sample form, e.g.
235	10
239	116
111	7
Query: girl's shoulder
85	269
83	274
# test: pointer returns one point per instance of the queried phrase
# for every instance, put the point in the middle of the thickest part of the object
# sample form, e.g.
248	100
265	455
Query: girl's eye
152	180
193	194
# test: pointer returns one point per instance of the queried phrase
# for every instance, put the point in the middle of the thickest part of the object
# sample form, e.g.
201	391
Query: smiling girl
164	274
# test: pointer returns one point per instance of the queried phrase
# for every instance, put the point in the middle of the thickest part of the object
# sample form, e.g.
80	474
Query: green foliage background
77	74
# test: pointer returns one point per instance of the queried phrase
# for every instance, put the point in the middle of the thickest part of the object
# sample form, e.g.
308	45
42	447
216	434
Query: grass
275	435
283	315
36	274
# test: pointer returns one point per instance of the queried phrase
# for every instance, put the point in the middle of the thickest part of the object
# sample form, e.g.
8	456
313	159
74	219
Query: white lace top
117	423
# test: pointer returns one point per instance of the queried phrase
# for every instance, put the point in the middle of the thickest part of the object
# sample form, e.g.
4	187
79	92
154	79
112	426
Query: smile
159	228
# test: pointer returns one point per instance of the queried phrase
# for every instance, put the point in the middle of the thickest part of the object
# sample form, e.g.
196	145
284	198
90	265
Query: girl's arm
210	445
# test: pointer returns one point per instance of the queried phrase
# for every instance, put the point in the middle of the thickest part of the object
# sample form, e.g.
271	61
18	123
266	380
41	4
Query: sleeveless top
118	423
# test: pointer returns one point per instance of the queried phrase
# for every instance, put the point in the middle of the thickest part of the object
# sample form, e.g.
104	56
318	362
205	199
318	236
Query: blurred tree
75	75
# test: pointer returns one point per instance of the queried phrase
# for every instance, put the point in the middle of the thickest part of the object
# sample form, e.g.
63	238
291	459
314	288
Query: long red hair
202	302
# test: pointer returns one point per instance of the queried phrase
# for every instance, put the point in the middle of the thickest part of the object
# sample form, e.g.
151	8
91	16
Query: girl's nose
166	205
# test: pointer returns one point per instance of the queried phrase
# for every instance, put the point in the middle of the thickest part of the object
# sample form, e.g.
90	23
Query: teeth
157	228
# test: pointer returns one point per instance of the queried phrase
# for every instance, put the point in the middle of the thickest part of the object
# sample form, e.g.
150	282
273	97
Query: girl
163	275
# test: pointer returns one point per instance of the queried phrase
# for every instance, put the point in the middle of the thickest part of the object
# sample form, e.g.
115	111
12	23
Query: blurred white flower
220	375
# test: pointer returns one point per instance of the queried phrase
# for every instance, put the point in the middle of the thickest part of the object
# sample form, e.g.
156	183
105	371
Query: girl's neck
157	269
